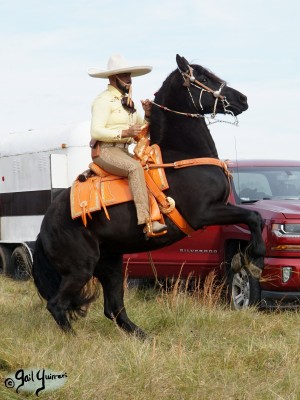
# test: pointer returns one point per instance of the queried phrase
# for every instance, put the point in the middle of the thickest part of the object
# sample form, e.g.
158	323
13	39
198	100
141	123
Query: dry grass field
199	348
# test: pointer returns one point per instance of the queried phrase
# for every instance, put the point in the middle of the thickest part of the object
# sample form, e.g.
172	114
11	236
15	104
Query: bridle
190	80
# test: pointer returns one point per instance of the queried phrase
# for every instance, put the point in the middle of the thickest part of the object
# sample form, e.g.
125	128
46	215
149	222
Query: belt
115	144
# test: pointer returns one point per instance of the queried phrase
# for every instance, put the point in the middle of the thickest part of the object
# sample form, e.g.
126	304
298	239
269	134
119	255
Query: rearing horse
67	255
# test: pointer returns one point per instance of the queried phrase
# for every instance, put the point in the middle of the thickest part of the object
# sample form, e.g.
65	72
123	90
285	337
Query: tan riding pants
116	160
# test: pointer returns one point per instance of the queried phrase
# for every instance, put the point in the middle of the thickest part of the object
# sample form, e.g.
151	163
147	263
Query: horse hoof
68	331
254	270
236	263
140	334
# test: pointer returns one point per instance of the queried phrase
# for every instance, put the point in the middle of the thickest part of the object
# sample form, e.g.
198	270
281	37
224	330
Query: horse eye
202	79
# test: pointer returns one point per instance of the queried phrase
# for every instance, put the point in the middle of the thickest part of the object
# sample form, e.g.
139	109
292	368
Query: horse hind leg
71	300
58	310
109	271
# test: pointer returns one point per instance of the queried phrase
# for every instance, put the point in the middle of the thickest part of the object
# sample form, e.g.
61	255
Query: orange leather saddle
99	189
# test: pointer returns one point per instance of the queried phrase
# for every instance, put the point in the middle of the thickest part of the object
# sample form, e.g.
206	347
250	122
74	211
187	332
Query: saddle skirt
100	190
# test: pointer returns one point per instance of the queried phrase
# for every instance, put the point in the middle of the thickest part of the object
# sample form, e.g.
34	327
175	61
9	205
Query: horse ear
182	63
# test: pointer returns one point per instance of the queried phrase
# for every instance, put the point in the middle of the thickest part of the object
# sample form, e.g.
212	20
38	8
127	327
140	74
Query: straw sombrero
118	65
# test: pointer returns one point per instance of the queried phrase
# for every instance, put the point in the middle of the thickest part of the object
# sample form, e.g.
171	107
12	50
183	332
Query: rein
178	112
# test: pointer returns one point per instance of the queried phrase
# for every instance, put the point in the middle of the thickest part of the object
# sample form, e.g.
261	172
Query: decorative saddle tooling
96	189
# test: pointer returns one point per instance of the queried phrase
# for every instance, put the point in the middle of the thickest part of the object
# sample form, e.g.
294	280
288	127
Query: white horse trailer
35	166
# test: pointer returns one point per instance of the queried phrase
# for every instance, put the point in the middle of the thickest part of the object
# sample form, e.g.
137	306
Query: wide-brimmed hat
118	65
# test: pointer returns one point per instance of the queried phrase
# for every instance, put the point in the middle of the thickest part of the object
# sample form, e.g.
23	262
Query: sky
47	47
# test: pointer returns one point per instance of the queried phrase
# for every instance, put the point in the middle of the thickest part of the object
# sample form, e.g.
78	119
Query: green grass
200	349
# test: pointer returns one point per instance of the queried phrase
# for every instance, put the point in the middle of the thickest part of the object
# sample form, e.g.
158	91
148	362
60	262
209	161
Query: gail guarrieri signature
35	380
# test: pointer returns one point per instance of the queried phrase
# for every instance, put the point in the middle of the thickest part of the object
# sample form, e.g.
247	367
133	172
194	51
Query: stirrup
148	230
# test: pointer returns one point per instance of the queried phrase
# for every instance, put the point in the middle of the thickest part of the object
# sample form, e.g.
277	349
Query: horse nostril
243	99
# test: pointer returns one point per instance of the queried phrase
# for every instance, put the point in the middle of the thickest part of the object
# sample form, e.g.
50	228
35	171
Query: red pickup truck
270	187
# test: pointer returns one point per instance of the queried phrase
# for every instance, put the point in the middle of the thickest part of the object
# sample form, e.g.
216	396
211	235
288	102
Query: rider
115	122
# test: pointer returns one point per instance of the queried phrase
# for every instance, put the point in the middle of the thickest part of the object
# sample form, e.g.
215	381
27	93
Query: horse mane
204	71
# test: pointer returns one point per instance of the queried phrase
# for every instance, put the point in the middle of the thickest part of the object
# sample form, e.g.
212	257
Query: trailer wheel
20	264
5	254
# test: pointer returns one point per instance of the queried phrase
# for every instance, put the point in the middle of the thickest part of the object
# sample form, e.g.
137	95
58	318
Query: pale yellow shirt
109	117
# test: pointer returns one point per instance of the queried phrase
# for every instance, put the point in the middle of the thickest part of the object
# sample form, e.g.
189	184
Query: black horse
67	255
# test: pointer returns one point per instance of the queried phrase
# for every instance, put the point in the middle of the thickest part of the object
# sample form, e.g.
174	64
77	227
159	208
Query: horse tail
46	277
81	301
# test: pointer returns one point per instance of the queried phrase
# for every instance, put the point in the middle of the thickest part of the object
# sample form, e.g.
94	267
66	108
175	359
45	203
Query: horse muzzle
237	107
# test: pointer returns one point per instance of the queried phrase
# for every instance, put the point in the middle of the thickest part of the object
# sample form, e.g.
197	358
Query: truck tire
5	254
20	264
244	289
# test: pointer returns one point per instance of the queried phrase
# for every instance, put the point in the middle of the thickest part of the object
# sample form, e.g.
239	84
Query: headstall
188	80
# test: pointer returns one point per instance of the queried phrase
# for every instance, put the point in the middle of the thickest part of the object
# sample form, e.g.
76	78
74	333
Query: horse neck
181	137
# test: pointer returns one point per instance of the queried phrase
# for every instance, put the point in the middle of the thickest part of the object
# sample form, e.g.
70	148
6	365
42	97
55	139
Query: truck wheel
20	264
244	290
5	254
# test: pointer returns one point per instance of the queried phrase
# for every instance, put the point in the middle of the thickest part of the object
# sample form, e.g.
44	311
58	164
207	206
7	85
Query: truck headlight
286	230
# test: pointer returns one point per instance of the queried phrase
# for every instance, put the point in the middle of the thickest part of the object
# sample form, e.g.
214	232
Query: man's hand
133	131
146	104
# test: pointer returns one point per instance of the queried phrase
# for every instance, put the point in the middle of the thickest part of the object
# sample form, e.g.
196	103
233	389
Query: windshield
256	183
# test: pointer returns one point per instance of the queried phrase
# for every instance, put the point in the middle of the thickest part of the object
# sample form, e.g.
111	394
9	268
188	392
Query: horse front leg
109	271
230	214
253	257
